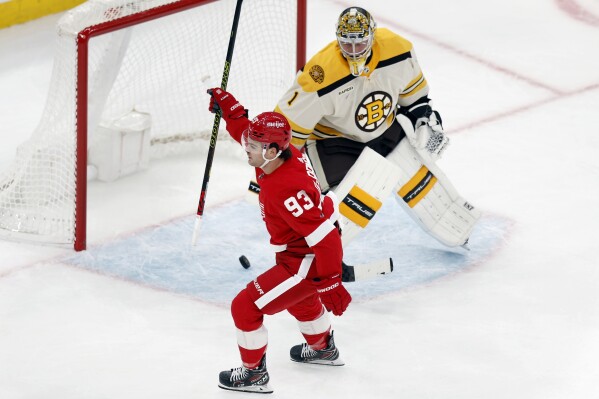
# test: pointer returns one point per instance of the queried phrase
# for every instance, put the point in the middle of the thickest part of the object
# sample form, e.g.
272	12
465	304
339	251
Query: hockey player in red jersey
306	279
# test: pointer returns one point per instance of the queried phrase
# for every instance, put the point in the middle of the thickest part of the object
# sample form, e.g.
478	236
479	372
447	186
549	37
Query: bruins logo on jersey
373	111
317	73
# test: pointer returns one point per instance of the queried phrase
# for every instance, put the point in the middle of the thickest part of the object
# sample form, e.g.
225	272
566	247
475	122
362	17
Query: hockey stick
366	271
351	273
217	117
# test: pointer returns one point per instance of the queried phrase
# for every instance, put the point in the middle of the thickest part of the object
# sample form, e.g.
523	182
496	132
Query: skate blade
320	362
253	388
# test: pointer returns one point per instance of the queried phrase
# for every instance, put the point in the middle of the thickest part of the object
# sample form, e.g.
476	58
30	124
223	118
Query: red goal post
115	58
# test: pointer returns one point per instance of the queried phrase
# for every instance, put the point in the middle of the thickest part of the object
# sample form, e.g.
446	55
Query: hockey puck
244	262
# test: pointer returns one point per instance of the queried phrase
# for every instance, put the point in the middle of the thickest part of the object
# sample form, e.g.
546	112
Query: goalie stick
217	116
366	271
351	273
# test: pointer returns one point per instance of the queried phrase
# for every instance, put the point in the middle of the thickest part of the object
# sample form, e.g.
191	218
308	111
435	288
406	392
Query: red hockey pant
273	291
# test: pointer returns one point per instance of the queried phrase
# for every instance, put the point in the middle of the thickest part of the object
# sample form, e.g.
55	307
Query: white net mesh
161	67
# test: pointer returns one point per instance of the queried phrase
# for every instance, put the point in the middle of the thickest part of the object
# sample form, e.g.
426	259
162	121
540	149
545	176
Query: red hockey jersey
298	217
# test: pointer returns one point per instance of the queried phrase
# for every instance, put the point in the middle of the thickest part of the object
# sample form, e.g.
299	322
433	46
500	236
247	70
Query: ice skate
329	356
246	380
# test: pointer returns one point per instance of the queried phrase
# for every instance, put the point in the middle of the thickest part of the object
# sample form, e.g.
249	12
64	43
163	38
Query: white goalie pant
428	196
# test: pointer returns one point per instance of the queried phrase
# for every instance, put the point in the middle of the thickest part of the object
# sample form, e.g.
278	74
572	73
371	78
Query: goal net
146	65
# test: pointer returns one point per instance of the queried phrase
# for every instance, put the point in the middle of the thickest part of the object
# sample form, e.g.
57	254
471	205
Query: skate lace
307	351
239	373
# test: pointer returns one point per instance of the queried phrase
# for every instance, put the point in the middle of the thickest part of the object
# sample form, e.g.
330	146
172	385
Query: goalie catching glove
423	128
221	100
333	295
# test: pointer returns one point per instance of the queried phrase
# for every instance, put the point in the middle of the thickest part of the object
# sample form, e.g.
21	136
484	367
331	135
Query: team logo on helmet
373	111
317	73
355	38
354	21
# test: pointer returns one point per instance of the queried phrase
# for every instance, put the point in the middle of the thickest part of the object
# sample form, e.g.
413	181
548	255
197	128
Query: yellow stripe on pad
417	187
359	206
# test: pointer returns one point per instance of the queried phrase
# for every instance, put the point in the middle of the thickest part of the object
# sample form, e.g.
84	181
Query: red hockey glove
333	295
224	101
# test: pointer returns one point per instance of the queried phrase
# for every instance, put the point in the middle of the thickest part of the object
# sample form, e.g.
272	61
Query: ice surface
161	257
141	315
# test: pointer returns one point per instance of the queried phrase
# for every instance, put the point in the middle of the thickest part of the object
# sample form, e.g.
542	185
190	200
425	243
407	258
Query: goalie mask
266	129
355	35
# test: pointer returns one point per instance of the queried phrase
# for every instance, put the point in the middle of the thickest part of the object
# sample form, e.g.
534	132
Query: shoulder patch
317	74
324	69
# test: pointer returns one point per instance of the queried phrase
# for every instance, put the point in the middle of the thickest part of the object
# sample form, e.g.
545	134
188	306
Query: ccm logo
258	288
329	288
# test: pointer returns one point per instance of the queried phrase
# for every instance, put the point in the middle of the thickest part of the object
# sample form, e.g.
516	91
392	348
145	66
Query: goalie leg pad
362	191
428	196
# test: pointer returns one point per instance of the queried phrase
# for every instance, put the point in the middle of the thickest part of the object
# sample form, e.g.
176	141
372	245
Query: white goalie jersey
325	91
326	101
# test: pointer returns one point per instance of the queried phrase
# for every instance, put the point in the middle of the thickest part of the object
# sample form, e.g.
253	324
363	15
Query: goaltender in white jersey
360	106
327	101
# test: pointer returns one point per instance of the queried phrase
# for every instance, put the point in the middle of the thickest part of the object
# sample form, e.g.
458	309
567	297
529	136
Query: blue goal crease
162	257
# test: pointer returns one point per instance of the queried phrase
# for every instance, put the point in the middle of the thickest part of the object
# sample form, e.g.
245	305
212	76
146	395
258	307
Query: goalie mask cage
156	57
